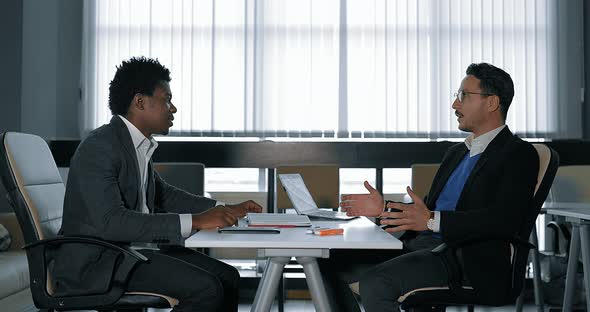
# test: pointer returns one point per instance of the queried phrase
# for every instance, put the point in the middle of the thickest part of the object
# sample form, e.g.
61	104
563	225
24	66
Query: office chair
457	294
422	177
322	181
189	176
36	192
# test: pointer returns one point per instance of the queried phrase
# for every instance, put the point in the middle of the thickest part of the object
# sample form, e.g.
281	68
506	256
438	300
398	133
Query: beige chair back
422	177
323	182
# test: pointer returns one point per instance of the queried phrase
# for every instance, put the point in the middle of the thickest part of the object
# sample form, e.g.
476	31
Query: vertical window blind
336	68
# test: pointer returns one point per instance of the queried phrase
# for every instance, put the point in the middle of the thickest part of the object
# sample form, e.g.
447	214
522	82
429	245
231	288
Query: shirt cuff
186	224
219	203
436	226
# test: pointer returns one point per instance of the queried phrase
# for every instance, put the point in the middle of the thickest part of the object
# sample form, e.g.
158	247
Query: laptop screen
298	193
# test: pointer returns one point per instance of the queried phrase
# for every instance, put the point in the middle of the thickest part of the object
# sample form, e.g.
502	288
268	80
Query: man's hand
240	210
412	216
369	205
218	216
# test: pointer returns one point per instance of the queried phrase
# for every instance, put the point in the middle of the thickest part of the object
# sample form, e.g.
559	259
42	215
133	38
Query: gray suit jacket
102	200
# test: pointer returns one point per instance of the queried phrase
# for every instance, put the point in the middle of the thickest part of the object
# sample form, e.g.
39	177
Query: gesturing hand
369	205
413	216
240	210
218	216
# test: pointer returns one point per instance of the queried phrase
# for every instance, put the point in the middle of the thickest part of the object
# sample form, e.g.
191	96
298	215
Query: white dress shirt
144	149
475	146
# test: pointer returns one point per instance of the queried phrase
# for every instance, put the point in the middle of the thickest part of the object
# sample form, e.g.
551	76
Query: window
338	68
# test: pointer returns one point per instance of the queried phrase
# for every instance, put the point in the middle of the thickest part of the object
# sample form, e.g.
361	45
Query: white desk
565	205
551	205
306	248
579	217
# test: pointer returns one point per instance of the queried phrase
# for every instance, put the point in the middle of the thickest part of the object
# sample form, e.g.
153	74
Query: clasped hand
412	216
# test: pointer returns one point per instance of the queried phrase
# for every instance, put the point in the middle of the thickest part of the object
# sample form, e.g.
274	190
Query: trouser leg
381	286
227	274
195	286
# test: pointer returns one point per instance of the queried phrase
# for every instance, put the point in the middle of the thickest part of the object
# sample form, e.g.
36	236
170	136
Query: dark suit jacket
495	202
102	200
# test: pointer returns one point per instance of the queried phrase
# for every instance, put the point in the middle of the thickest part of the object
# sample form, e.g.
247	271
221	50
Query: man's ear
138	101
493	103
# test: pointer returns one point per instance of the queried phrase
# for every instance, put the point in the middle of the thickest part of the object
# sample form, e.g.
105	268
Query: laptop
302	200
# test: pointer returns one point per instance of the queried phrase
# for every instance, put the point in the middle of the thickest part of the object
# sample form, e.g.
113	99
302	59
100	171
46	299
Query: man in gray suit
113	193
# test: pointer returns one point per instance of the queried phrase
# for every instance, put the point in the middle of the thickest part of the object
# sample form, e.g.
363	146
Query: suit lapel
446	173
128	147
493	148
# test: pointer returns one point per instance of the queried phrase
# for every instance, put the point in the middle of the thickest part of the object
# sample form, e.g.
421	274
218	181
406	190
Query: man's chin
464	128
164	131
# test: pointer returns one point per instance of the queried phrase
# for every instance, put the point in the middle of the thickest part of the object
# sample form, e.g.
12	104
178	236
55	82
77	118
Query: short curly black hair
495	81
136	75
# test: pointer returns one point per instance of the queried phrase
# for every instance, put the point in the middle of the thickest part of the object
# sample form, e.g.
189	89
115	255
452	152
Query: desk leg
269	282
585	242
315	283
572	266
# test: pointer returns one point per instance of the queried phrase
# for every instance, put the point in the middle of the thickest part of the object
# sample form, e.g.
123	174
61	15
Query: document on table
277	220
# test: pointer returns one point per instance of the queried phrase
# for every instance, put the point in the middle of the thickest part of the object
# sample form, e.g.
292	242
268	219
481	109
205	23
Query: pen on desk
324	232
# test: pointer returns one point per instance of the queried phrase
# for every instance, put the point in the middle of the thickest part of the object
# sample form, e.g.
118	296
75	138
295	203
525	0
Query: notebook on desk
302	200
277	220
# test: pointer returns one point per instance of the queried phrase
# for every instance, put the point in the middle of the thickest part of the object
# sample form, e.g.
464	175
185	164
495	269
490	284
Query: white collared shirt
475	146
144	149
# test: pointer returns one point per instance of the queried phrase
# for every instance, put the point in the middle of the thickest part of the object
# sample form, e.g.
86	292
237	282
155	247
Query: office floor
307	306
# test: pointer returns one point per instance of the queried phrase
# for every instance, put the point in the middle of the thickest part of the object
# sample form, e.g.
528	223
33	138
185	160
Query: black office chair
189	176
36	192
438	298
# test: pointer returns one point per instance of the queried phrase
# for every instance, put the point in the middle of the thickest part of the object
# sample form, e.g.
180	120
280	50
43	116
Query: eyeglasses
461	94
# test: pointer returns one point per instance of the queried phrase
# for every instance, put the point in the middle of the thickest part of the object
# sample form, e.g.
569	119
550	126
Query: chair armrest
59	240
38	270
11	223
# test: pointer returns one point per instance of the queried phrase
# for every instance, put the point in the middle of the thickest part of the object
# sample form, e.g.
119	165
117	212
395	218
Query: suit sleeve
172	199
95	182
501	217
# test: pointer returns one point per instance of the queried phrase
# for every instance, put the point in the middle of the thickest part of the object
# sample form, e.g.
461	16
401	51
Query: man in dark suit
113	193
483	189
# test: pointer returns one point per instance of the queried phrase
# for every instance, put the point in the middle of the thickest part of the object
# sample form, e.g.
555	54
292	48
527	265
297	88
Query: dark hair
136	75
495	81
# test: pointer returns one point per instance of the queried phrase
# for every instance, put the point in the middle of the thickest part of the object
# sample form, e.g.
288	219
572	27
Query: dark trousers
383	275
381	286
199	282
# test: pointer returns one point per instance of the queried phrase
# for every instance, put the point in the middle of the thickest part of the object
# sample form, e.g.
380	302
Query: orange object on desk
323	232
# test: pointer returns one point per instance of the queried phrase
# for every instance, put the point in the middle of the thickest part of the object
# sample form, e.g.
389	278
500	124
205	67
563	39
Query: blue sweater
447	200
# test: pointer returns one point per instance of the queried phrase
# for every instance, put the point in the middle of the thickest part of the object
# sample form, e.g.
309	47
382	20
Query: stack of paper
277	220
